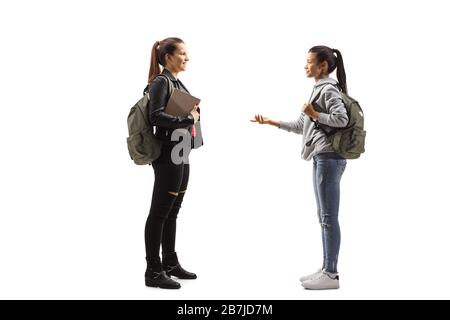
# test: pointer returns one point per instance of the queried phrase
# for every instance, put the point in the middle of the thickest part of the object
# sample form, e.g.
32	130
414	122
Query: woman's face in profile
312	68
178	60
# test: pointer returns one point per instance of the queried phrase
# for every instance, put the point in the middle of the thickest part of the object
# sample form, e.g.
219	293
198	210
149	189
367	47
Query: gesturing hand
261	119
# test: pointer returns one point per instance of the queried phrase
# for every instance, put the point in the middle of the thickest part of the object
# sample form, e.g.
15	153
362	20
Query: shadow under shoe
160	280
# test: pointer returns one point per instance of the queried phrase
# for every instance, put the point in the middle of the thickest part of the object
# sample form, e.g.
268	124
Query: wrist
274	123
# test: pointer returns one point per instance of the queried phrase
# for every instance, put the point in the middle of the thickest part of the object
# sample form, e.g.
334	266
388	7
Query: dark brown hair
158	57
324	53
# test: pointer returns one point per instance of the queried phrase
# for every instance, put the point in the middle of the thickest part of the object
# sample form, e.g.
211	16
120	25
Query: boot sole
152	284
182	278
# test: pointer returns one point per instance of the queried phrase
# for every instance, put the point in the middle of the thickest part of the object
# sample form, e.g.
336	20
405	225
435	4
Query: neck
173	72
321	77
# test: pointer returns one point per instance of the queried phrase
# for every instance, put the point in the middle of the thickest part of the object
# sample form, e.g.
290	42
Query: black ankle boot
156	277
160	280
173	267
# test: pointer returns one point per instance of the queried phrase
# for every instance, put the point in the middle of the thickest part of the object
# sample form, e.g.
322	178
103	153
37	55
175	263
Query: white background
73	205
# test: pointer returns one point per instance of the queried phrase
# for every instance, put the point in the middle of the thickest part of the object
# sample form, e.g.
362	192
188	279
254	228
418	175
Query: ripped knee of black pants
162	206
176	206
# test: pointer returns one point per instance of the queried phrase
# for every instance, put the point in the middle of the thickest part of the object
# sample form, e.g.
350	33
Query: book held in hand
181	103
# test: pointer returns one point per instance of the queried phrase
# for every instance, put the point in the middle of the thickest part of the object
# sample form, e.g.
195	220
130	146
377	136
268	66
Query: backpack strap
147	91
171	87
147	88
317	125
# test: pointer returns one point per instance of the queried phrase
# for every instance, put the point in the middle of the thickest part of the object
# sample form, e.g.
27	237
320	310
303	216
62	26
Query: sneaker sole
334	288
320	289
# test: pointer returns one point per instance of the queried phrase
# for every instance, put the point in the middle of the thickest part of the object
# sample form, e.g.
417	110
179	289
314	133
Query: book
181	103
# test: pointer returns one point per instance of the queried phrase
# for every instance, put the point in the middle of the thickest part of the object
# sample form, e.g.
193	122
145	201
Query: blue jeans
327	172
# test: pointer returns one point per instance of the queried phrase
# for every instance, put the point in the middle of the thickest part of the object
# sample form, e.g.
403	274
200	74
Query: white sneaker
311	276
324	281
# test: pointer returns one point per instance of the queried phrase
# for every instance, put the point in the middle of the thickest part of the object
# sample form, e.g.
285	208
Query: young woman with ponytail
171	177
324	111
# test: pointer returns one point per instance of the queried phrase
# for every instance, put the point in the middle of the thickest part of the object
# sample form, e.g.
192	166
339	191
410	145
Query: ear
167	57
324	67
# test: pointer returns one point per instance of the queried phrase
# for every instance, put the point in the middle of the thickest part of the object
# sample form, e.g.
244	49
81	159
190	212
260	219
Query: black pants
160	229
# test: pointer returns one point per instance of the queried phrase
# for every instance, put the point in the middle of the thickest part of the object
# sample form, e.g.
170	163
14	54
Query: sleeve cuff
284	126
322	118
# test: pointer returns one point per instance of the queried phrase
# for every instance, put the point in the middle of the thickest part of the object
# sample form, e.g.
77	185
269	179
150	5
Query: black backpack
348	142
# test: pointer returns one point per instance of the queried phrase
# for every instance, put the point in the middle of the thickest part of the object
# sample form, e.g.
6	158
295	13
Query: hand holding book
195	113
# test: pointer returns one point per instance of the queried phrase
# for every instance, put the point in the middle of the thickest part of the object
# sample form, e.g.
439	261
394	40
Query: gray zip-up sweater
332	114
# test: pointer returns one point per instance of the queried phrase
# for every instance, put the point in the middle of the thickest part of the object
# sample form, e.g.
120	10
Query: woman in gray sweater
324	111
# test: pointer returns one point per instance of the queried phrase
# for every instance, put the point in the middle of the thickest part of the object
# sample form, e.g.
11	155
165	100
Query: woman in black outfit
171	174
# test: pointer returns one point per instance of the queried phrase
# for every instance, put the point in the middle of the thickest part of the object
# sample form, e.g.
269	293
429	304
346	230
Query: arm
264	120
294	126
336	115
159	96
274	123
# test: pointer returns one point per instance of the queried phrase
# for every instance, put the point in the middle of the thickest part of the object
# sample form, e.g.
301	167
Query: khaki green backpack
349	142
143	146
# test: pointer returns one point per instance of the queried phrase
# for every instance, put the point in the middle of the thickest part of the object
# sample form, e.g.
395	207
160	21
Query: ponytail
154	65
340	71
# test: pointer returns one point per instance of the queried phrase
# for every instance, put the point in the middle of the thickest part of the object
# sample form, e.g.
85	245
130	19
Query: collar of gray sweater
319	86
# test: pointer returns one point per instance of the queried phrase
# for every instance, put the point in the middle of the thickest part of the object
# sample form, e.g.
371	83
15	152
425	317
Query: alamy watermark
180	152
